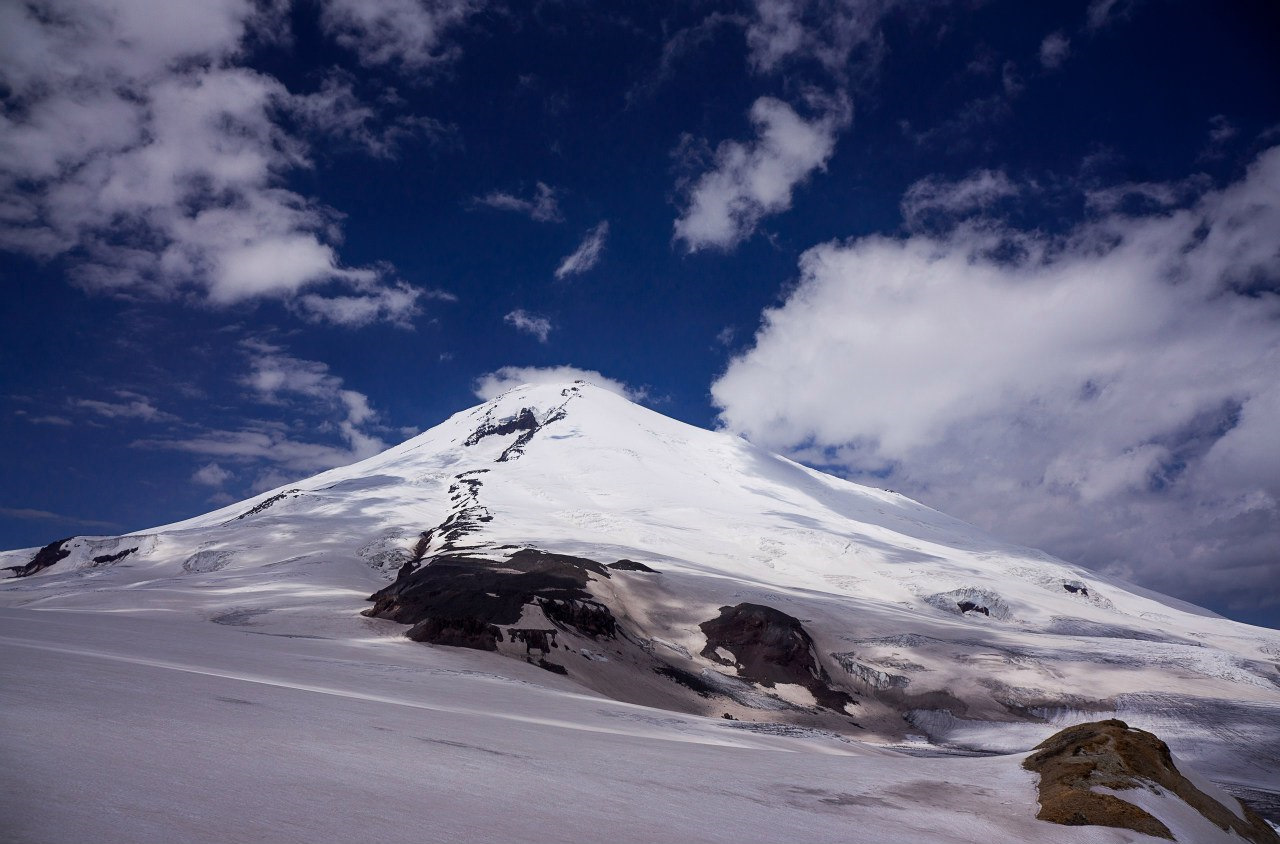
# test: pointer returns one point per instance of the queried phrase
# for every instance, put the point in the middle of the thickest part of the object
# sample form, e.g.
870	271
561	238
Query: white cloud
1054	50
749	181
407	32
1109	393
276	377
934	200
135	147
496	383
541	207
588	253
211	474
522	320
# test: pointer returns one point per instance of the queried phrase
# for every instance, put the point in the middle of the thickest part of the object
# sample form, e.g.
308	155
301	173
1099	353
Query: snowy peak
658	563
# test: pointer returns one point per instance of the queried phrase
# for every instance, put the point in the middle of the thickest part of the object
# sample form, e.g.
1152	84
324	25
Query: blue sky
1016	260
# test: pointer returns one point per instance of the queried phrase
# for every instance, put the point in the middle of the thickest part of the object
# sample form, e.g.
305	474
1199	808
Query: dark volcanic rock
770	647
1110	754
631	565
45	557
463	594
267	503
970	606
534	639
525	420
105	559
589	617
687	679
457	633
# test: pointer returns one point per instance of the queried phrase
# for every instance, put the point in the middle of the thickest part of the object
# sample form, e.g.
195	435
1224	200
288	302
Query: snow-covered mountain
580	540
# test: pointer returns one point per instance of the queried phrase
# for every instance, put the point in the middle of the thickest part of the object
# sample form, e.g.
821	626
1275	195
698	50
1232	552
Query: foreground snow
141	728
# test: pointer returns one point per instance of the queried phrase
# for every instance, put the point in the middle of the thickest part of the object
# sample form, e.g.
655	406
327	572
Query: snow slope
880	583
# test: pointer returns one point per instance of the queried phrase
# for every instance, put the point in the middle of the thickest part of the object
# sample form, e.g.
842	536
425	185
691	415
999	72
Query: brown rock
1110	754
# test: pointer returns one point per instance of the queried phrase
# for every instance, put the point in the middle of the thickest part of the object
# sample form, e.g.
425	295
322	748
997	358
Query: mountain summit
667	566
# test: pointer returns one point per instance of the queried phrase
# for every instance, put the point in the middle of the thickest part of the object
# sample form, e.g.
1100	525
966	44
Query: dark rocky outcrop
107	559
1111	754
631	565
970	606
462	632
525	422
770	647
45	557
687	679
463	597
588	617
534	639
267	503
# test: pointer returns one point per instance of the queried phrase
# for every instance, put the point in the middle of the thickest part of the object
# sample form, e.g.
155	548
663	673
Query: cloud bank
1109	394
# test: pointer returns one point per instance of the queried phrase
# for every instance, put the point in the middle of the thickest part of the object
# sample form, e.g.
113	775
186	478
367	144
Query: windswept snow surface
219	676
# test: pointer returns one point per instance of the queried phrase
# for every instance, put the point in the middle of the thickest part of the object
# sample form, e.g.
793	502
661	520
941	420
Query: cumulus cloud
750	180
494	384
1054	50
211	474
934	200
522	320
1108	393
135	146
541	207
588	253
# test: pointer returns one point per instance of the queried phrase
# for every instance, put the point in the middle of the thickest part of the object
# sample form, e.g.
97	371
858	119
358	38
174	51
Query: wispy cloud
1054	50
1100	13
588	253
133	407
541	207
538	326
934	200
408	33
27	514
276	376
331	424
